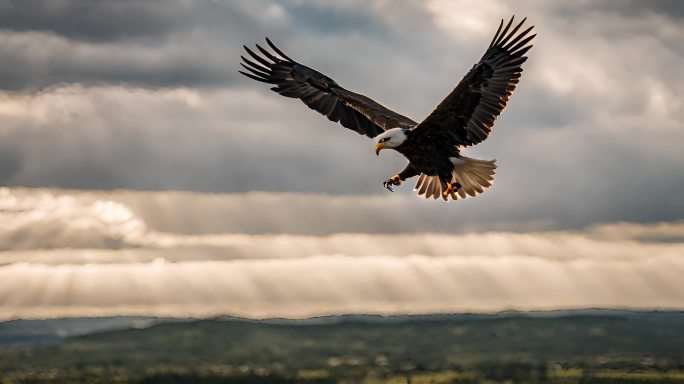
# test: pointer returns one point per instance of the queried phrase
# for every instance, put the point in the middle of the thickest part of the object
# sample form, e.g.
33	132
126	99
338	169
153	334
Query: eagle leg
452	187
394	180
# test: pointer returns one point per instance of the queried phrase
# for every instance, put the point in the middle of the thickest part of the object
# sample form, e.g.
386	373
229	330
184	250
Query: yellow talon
394	180
451	187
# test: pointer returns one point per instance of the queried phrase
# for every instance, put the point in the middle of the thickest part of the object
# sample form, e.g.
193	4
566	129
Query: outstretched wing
467	115
321	93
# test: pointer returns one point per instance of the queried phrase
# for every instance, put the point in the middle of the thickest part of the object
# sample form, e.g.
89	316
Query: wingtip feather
496	35
278	51
256	78
257	57
268	54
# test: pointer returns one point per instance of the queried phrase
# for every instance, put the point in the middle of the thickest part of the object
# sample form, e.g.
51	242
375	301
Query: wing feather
256	72
256	78
278	51
320	93
466	116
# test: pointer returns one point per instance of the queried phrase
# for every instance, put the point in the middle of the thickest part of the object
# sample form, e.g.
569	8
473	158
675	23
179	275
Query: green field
602	347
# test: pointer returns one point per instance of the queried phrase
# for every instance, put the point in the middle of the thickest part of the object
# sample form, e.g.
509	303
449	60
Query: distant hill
23	333
531	346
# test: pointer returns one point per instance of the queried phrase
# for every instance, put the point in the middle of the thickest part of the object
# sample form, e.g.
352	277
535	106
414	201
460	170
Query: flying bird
433	147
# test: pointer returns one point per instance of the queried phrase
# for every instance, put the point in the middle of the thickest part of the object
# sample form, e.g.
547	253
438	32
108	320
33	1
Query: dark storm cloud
321	19
146	43
35	61
185	43
95	20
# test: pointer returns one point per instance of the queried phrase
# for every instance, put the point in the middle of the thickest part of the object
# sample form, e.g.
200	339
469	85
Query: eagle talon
394	180
452	187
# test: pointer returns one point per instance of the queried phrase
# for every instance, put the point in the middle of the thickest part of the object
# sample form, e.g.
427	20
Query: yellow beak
378	147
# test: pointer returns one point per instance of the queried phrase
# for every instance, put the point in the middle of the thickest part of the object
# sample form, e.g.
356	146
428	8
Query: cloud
245	223
223	141
324	284
149	44
82	19
36	60
120	137
40	219
86	253
168	44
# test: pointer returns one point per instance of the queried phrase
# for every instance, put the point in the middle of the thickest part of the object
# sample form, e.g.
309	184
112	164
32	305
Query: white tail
474	176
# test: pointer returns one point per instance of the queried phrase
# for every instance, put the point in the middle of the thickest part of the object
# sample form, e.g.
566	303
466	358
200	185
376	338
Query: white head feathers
392	138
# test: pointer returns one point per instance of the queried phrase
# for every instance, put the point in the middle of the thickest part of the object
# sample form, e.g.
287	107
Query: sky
141	174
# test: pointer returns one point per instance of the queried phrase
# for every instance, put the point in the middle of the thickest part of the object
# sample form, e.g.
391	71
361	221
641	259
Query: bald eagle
433	147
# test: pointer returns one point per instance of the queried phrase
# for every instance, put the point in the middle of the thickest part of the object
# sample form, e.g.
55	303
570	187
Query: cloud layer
105	253
320	285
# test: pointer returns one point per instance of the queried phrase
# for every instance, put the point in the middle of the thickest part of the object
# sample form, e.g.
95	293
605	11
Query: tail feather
474	175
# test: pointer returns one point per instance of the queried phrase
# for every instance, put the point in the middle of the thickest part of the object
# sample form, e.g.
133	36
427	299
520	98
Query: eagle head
392	138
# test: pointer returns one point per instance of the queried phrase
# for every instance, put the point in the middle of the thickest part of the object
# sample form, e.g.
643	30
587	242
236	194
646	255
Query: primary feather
321	93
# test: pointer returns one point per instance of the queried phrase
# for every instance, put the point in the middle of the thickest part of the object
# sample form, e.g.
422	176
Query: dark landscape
590	346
